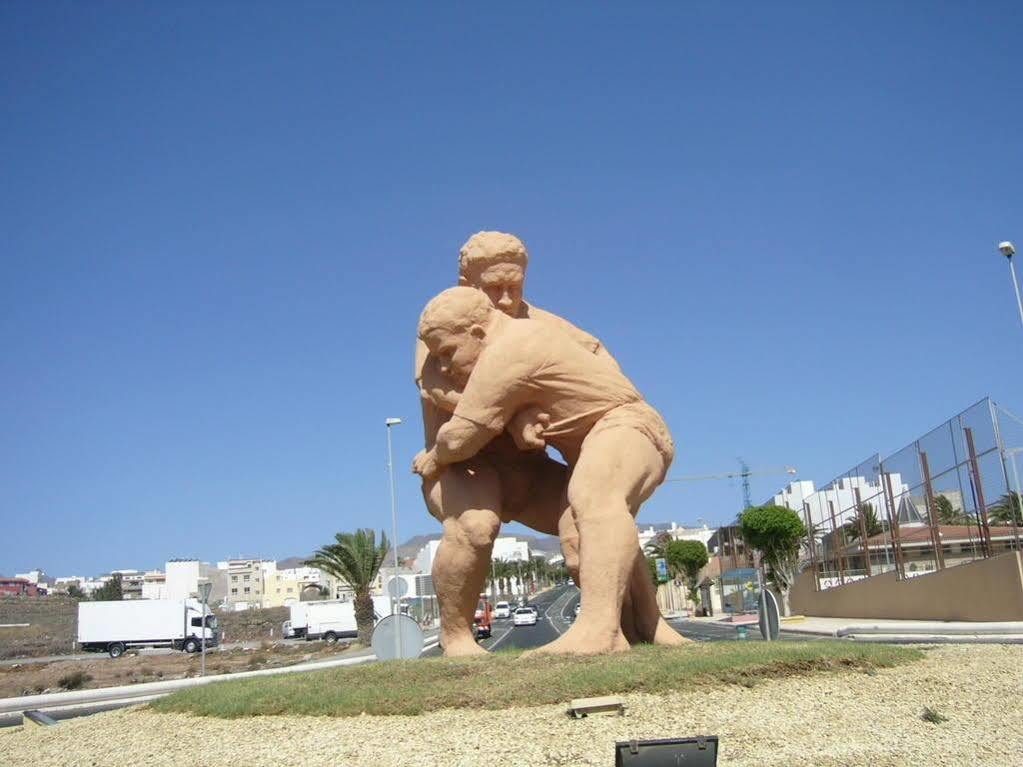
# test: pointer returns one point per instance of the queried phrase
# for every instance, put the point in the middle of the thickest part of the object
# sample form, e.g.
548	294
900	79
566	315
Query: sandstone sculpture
506	475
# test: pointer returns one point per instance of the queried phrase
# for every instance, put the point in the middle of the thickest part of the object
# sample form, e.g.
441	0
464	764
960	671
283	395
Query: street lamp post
389	422
1008	250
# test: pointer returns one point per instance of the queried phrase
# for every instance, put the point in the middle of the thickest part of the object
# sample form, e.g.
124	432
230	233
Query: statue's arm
460	439
438	388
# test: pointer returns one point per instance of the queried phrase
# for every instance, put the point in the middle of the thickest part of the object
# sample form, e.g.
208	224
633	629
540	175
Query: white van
329	619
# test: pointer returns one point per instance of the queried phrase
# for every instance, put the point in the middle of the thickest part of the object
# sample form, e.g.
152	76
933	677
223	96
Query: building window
234	591
246	578
234	579
246	589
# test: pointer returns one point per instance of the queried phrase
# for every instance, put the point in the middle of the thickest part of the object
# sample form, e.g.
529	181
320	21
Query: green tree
111	591
355	559
776	532
687	558
1007	510
74	592
864	511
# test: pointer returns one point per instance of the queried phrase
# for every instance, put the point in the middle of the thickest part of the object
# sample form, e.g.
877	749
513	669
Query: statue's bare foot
578	641
461	648
666	635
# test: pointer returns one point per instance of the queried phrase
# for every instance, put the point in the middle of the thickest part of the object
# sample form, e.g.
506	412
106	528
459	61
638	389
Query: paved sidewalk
844	626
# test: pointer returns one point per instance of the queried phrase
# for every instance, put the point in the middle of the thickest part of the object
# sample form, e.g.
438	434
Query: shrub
74	680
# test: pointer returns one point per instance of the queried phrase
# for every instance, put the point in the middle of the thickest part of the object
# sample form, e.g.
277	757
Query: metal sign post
768	610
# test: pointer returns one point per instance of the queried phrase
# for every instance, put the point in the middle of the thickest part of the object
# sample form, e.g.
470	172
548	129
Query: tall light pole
394	507
204	594
1008	250
393	586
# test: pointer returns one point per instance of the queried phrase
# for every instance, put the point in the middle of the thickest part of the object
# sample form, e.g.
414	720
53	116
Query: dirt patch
53	625
51	631
135	667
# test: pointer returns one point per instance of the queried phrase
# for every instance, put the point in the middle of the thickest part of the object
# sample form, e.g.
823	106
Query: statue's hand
527	428
426	465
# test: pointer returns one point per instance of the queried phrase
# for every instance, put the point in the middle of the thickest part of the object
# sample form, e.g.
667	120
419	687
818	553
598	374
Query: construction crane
744	471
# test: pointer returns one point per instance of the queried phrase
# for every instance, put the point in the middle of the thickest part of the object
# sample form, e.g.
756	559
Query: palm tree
658	545
947	514
865	513
1008	510
355	560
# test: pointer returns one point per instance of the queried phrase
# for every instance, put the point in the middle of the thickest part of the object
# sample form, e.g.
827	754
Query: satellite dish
769	626
397	637
397	587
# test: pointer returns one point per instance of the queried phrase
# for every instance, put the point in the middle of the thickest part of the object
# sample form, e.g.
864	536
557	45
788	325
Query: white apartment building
510	550
246	581
678	533
154	585
32	576
182	577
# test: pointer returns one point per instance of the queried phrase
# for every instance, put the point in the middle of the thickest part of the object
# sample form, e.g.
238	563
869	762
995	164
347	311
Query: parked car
524	616
578	606
502	610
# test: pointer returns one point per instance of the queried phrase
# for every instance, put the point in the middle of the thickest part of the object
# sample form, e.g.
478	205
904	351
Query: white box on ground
116	626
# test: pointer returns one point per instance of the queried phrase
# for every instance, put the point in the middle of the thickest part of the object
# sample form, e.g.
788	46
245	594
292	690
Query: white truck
113	627
329	619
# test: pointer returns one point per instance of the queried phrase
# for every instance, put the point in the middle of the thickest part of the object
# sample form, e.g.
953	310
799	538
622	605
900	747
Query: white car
524	616
502	610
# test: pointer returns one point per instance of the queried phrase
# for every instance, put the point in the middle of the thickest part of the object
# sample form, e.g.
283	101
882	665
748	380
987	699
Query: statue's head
454	326
495	263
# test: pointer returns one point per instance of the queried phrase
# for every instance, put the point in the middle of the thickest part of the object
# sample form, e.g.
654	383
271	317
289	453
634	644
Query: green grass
504	679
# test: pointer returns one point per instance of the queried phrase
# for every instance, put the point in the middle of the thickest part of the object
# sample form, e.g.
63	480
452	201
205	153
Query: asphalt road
714	632
553	607
556	608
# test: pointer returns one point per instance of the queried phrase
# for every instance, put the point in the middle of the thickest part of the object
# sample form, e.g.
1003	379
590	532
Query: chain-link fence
950	497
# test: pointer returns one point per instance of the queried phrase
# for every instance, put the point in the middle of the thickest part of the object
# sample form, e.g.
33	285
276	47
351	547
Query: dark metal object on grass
701	751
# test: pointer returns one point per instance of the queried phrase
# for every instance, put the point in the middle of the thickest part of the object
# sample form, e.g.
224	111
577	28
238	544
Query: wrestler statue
512	478
617	448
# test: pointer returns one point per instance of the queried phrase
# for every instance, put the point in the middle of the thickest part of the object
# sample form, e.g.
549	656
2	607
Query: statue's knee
479	530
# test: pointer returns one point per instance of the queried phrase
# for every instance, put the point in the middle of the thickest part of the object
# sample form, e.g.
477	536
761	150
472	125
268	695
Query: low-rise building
154	585
246	578
182	578
18	587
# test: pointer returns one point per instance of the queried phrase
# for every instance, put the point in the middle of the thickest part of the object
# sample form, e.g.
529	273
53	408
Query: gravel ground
838	720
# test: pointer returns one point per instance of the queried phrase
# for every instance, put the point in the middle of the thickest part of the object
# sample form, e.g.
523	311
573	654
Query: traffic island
504	679
847	715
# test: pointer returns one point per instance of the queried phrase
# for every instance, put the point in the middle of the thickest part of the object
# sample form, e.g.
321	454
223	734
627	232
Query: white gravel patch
838	720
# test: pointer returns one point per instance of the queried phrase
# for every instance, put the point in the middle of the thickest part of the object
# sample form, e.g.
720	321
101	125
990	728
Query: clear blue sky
218	225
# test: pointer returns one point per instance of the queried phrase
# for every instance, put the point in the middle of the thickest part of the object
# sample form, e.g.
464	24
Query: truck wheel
330	637
116	650
191	646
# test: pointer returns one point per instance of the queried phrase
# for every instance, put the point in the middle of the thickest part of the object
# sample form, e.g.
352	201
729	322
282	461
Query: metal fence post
978	490
893	521
939	555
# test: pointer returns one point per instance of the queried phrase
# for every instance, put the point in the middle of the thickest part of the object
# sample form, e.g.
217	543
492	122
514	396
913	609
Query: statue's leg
466	499
544	507
617	470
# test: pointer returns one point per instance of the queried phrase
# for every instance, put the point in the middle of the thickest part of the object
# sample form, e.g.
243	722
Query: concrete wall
985	590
